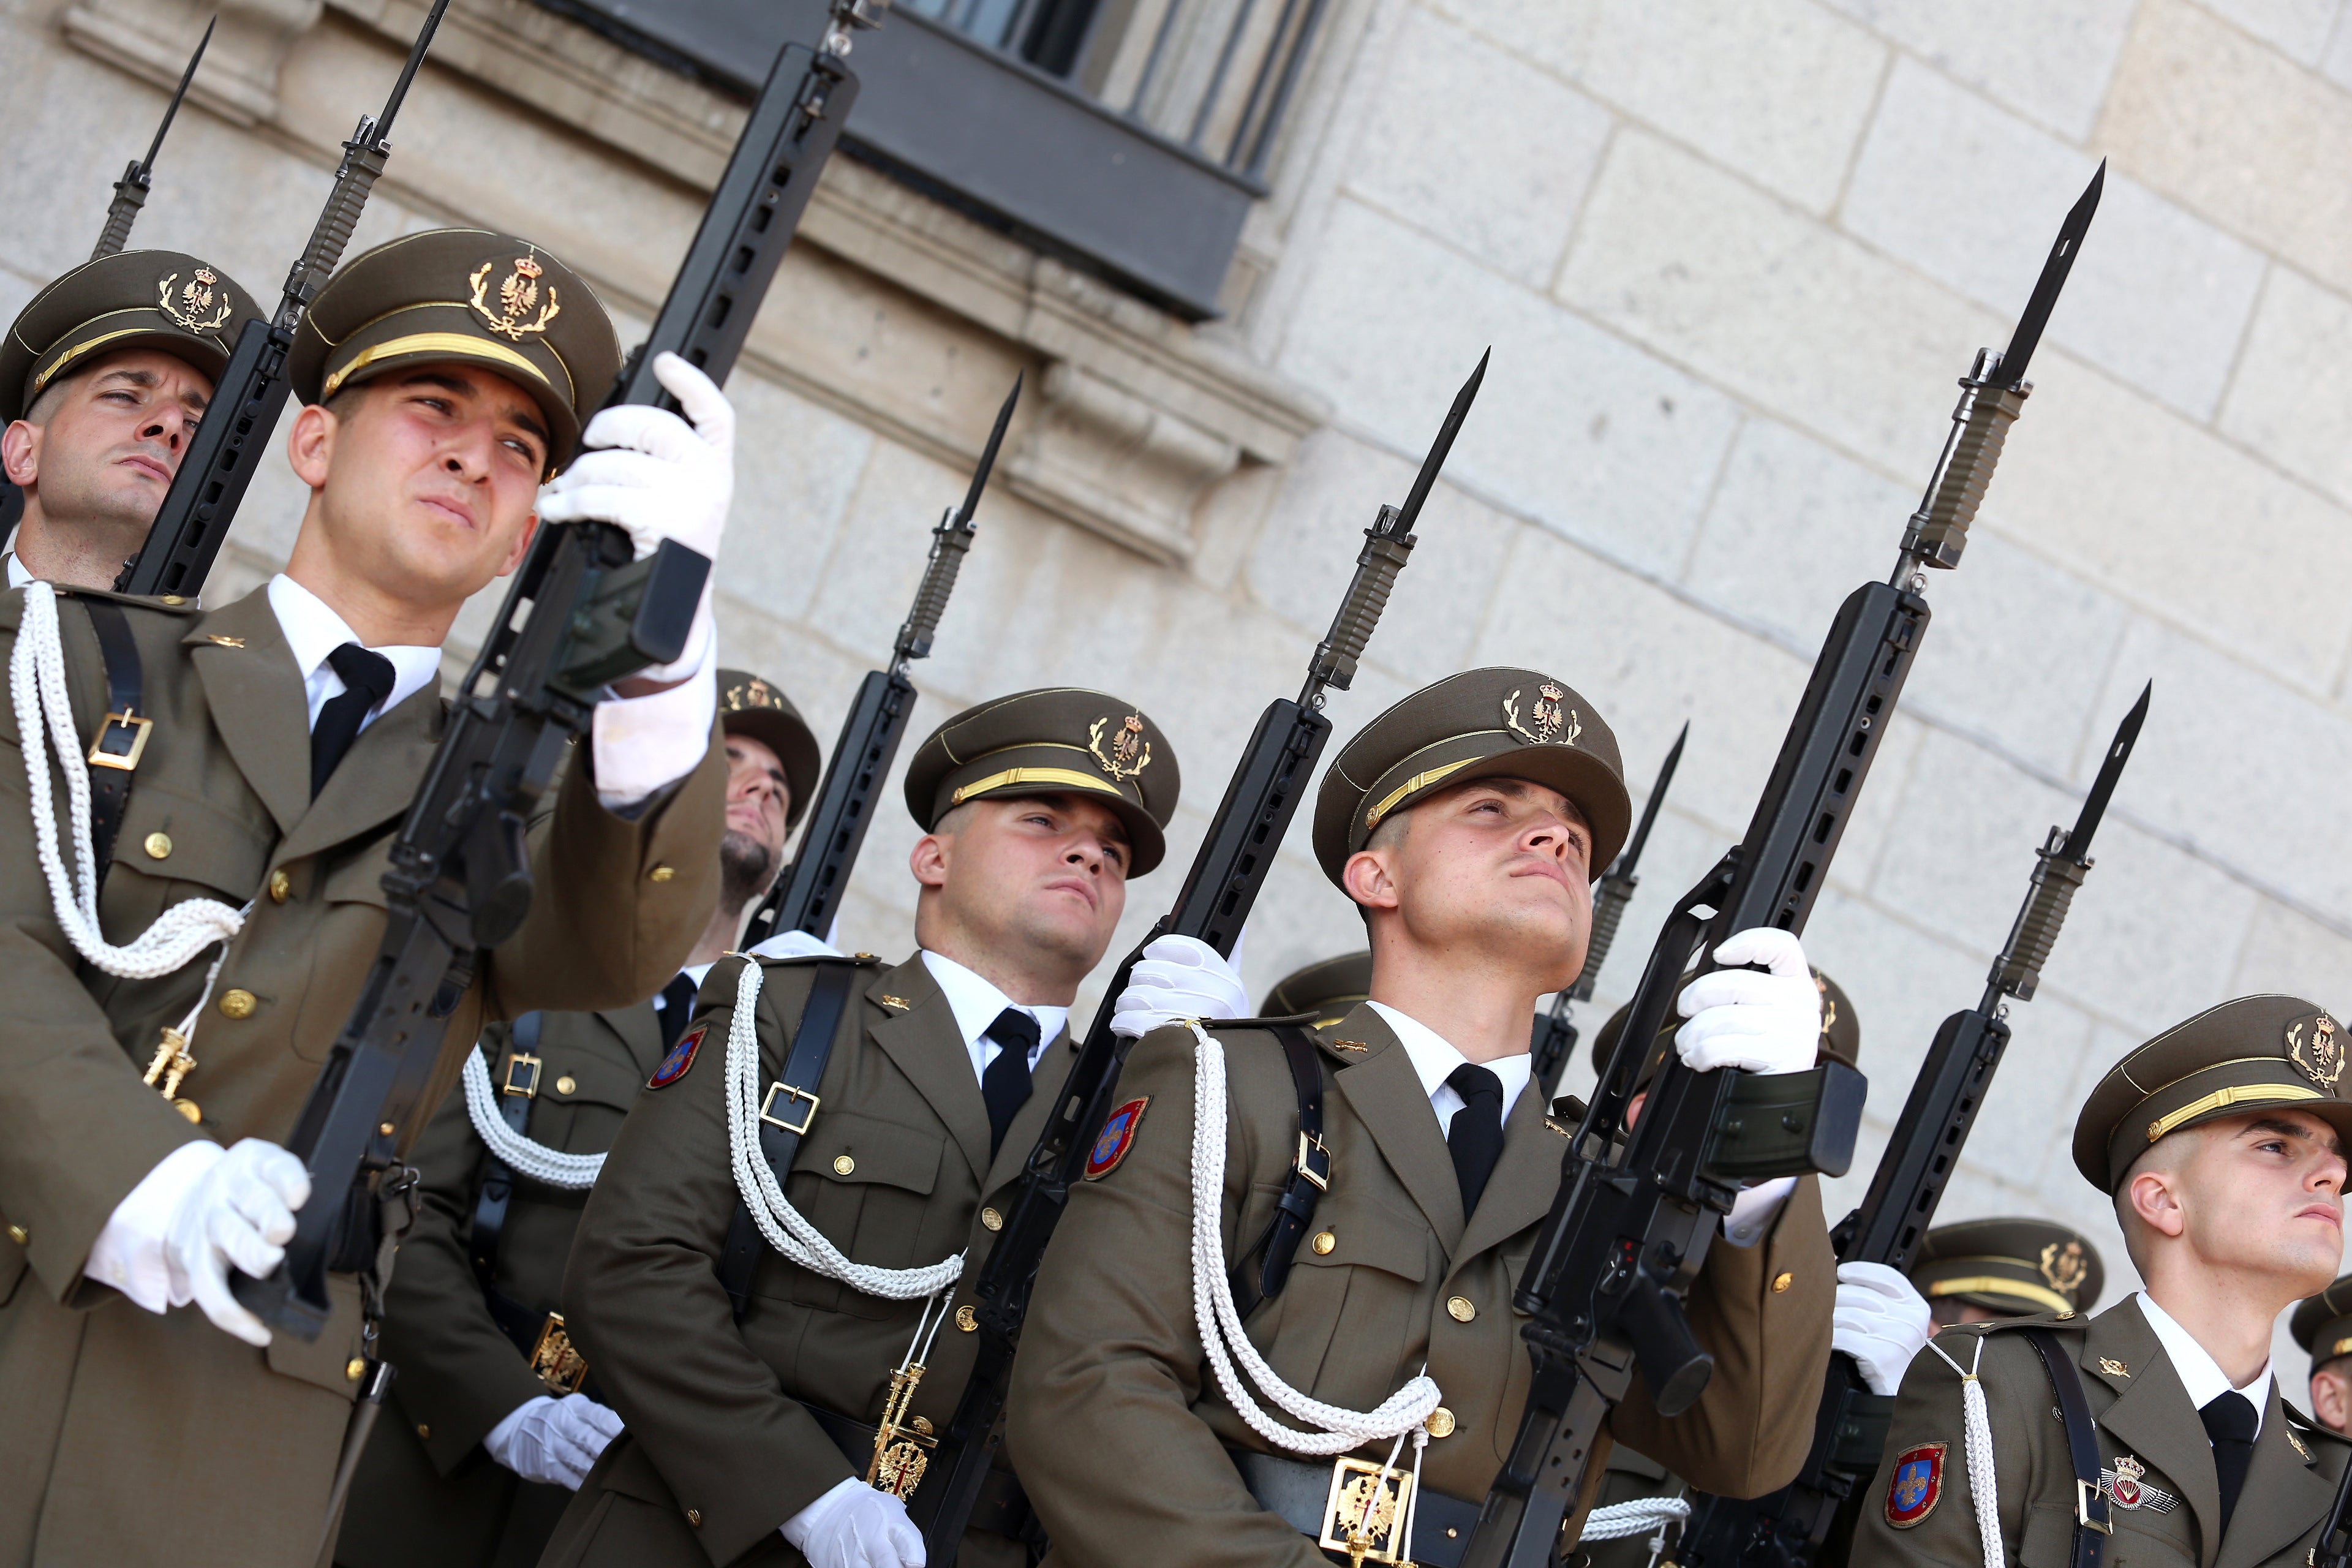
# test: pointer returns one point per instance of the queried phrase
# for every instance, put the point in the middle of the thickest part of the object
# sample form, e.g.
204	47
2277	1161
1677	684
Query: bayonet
130	191
949	542
2018	356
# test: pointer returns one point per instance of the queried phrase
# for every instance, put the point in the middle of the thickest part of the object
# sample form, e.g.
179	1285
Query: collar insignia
1129	754
2065	1267
2113	1367
187	308
1547	722
2318	1053
2296	1444
1350	1046
517	297
901	1003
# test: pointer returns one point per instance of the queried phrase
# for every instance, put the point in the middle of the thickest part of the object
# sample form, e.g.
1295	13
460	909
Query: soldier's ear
2153	1197
521	545
20	453
1369	878
311	444
930	857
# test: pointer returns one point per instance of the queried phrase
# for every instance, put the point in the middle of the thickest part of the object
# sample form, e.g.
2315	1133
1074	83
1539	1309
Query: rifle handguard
130	195
949	546
362	163
1377	565
1938	530
2019	970
1608	914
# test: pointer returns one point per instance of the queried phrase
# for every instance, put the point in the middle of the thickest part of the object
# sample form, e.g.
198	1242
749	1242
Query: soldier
281	739
1410	1171
2221	1143
1324	992
494	1421
912	1097
104	378
2323	1327
1981	1269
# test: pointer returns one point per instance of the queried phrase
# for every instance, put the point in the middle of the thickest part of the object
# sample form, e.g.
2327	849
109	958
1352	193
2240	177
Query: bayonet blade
988	454
1631	855
408	71
1423	481
2022	343
147	164
2095	804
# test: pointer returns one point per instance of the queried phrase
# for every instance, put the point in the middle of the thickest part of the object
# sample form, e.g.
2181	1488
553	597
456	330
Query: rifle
1786	1529
460	879
808	896
130	191
226	449
1637	1207
1261	798
1555	1037
2333	1547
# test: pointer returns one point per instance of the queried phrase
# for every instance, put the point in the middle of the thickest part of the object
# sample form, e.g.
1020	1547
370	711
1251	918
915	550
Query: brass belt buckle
2085	1491
901	1447
789	1093
522	1075
559	1366
125	757
1310	1145
1364	1515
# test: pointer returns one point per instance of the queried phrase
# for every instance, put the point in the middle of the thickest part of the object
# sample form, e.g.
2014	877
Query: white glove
658	476
854	1526
1768	1023
1179	977
241	1211
555	1442
796	944
1881	1321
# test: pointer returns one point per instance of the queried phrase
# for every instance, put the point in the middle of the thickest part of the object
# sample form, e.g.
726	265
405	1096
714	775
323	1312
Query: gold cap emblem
188	307
517	297
2312	1046
1129	754
1547	721
2064	1267
748	695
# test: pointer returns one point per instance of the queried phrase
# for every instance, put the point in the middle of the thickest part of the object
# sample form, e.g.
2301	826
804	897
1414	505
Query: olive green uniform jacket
426	1494
895	1171
135	1438
1119	1421
2141	1410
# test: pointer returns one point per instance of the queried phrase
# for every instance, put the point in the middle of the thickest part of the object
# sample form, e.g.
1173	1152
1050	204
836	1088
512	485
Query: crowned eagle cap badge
188	307
2064	1267
518	297
1547	721
2311	1044
1124	752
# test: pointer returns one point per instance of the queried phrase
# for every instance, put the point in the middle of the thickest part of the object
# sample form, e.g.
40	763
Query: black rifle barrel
1787	1529
808	895
226	451
460	881
1218	891
130	191
1639	1203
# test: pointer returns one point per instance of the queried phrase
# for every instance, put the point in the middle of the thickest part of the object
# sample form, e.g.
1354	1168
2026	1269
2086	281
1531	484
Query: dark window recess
1128	137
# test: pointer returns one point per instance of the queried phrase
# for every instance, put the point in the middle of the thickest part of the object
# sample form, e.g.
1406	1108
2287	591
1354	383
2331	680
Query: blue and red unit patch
681	1057
1118	1136
1917	1484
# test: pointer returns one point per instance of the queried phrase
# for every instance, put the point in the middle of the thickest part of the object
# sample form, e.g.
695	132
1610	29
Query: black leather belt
1298	1493
1002	1508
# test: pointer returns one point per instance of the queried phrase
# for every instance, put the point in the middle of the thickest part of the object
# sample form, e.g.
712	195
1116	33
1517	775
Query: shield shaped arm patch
1916	1484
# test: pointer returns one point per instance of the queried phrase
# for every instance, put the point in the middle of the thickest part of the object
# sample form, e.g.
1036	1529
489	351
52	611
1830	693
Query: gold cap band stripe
1068	778
456	345
2237	1094
1994	1285
42	379
2343	1347
1418	781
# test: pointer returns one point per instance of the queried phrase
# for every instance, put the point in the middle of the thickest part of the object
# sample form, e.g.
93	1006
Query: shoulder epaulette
162	603
863	960
1300	1019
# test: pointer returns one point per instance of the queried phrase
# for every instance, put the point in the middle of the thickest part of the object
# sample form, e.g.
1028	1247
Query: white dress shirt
2200	1375
19	573
313	631
976	1002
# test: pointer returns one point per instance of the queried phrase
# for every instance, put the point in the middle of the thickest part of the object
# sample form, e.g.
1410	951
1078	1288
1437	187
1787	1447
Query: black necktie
367	681
1005	1085
676	1006
2229	1422
1476	1137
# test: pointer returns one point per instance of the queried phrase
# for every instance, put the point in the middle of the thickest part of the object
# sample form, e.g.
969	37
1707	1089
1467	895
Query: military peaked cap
2018	1267
1482	723
1063	740
1329	989
2322	1324
1841	1030
463	294
750	706
2254	1053
133	299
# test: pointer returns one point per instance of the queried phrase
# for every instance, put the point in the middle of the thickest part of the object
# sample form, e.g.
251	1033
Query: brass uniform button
280	884
20	1235
1782	1281
843	1165
990	1219
187	1108
158	845
1323	1243
236	1002
354	1370
663	874
173	599
566	1084
384	1128
1440	1422
694	1517
966	1319
424	1431
1459	1309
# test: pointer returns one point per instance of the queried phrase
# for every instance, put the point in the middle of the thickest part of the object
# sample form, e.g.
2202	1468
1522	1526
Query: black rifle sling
784	1116
2092	1524
116	751
515	1098
1310	1176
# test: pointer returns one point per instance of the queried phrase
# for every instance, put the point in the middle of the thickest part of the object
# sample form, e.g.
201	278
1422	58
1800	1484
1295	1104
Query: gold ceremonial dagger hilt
902	1447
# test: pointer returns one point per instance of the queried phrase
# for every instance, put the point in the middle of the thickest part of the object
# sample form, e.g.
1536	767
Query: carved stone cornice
152	38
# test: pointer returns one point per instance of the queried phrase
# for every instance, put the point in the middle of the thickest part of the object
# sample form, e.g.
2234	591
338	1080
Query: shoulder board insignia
1117	1137
777	960
681	1057
1916	1485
